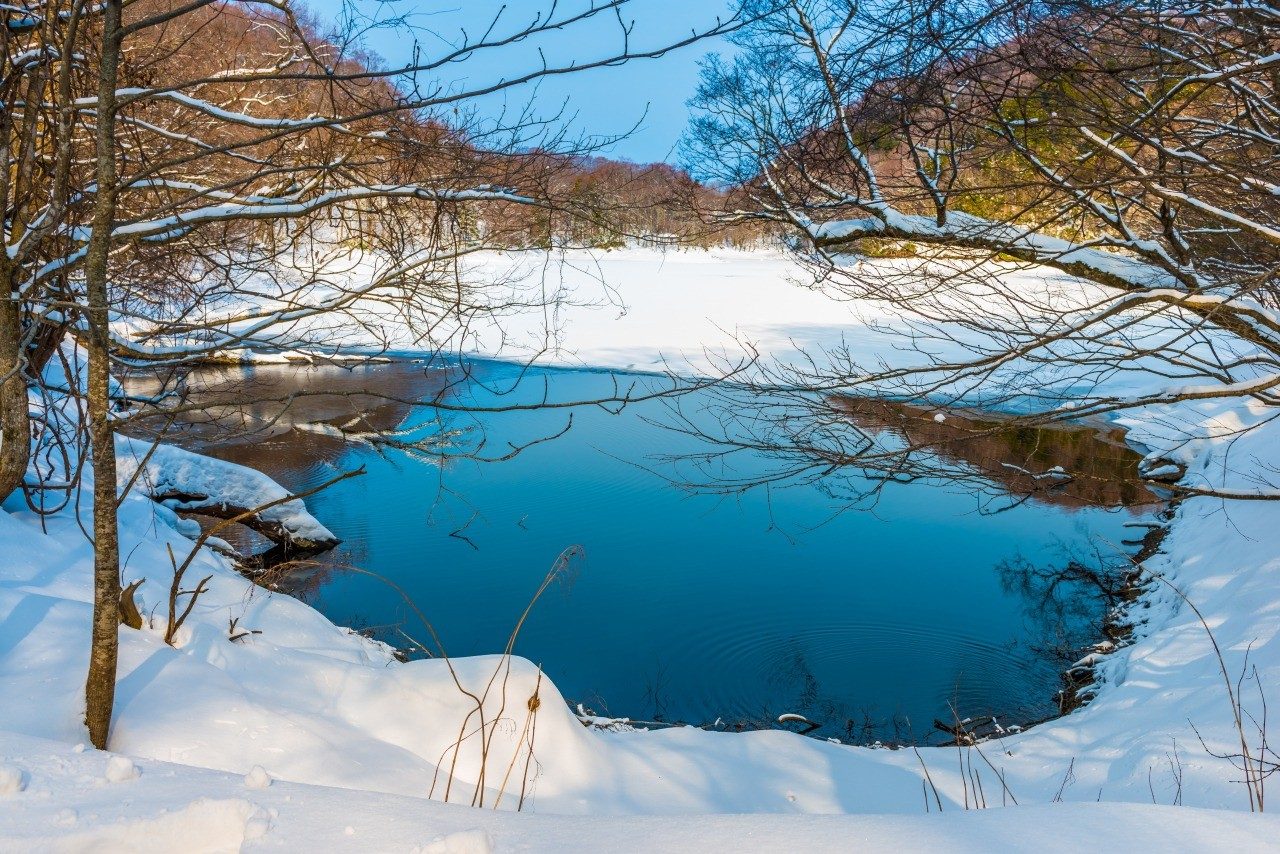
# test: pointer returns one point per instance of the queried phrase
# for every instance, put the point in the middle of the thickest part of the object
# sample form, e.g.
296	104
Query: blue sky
606	101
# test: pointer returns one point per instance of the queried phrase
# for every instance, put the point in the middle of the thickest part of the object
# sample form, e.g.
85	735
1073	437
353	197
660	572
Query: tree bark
15	429
101	682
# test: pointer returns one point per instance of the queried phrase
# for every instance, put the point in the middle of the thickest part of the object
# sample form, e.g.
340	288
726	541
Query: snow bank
172	808
182	480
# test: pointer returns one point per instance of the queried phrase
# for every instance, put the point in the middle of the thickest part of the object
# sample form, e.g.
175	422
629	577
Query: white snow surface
319	709
167	470
696	312
179	808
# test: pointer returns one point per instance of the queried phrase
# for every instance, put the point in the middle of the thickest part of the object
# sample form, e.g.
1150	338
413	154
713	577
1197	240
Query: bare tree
1131	145
185	179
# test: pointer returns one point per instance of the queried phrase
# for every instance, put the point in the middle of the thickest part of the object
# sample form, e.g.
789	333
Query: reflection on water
1022	460
685	607
269	413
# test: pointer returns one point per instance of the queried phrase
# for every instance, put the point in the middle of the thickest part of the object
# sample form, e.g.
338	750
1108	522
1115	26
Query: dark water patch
685	607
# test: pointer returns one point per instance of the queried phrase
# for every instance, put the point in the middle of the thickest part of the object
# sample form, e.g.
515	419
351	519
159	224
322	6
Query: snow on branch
268	208
968	231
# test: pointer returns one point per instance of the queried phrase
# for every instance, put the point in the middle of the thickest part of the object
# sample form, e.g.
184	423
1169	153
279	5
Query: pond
681	606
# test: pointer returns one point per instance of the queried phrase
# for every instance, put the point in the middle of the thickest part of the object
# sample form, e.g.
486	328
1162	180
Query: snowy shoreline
312	703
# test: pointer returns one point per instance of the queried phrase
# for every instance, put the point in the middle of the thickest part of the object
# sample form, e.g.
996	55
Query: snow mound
120	769
12	780
257	778
207	825
187	481
462	842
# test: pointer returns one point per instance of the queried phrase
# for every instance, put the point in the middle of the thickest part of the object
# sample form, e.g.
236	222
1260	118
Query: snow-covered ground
315	704
72	804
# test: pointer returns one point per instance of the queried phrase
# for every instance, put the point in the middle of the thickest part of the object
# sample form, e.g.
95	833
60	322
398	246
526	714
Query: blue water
683	607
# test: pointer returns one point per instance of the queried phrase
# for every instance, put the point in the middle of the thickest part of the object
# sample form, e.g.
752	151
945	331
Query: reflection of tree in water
1064	598
791	671
291	422
274	418
793	677
1078	467
656	691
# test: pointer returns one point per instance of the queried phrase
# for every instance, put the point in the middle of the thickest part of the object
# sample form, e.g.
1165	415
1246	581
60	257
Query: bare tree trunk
15	436
15	431
101	683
